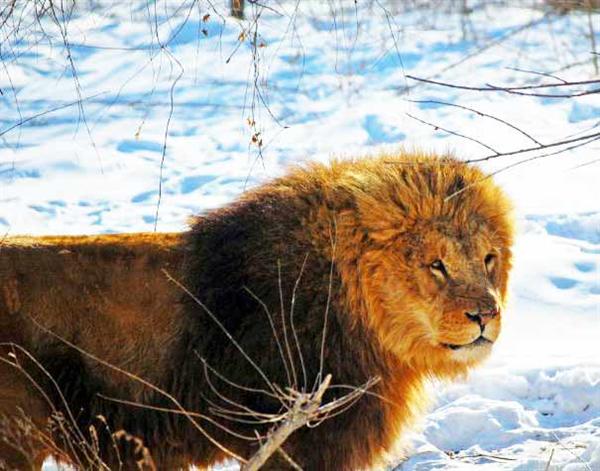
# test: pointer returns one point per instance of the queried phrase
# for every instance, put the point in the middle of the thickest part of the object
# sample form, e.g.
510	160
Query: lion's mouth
480	341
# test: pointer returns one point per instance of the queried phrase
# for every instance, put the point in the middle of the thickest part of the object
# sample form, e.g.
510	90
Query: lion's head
433	242
442	291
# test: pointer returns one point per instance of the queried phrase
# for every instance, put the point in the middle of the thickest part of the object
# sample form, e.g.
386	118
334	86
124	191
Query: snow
334	88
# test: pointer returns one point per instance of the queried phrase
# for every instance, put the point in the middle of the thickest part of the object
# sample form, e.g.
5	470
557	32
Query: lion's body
315	273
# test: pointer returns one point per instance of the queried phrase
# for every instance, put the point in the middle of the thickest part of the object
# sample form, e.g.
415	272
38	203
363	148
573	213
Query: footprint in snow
585	267
189	184
581	226
132	145
563	283
144	196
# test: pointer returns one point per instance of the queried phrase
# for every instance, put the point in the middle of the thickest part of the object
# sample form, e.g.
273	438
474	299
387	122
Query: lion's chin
480	341
472	352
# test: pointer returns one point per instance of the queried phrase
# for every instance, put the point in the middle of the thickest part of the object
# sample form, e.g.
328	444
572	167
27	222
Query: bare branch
480	113
43	113
581	140
454	133
521	162
303	410
519	90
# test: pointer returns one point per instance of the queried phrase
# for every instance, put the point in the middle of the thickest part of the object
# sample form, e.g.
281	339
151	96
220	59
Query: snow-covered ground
327	80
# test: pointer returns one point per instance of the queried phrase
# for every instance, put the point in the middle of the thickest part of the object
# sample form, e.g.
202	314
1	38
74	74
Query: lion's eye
490	262
438	268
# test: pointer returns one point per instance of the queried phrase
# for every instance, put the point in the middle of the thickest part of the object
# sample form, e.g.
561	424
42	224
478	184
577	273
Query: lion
392	267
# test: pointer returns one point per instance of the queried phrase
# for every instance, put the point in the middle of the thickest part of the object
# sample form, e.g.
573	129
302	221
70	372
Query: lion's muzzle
483	317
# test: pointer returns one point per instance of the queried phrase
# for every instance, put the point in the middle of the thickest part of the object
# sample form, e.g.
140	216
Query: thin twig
286	341
274	330
577	457
454	133
43	113
582	140
480	113
293	327
516	164
535	72
333	242
519	90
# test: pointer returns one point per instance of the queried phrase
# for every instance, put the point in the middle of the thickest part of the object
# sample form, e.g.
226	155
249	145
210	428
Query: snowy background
235	102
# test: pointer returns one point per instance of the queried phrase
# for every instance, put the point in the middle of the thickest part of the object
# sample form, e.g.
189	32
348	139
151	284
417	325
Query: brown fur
354	240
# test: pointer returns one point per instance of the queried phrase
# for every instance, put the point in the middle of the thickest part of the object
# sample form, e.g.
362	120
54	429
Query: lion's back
88	289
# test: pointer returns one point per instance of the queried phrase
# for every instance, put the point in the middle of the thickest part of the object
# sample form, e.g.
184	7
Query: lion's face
441	293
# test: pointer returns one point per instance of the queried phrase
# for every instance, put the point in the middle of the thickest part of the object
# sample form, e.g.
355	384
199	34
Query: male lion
393	268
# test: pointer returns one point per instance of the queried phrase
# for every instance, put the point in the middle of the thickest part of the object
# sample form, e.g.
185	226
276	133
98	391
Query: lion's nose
482	317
